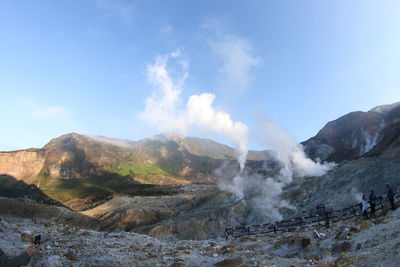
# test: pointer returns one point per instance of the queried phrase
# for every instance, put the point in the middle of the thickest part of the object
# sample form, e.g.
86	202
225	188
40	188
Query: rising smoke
265	192
162	108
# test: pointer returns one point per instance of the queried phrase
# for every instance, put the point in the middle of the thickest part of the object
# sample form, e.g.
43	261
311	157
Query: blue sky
83	67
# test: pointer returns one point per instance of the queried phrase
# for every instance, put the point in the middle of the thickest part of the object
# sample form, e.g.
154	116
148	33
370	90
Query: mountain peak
385	109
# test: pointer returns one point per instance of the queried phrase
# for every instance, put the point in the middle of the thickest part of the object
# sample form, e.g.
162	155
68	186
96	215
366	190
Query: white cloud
160	109
167	29
54	113
120	8
237	61
39	111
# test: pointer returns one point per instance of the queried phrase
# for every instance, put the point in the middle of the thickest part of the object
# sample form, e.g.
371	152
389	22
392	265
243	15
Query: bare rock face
346	138
23	165
352	135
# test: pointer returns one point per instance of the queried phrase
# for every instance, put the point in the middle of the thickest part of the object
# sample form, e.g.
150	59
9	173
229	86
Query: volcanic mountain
354	134
78	166
164	186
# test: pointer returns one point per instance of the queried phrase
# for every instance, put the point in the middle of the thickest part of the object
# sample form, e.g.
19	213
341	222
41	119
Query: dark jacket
7	261
390	192
372	198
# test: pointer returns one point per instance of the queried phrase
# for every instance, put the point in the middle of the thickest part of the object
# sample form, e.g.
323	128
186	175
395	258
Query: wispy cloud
120	8
53	113
167	29
236	54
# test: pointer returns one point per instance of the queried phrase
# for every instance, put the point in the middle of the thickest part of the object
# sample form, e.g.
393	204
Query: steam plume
264	192
162	108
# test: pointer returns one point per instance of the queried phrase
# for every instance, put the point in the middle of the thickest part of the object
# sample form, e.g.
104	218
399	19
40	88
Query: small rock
313	258
72	256
341	247
355	228
233	262
365	225
26	237
305	243
228	248
133	248
344	261
150	245
343	233
86	233
261	252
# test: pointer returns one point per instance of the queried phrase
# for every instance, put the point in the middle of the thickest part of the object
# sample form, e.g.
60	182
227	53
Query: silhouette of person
390	195
364	207
372	202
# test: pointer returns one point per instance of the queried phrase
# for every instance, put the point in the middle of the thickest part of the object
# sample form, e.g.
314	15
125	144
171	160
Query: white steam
162	108
290	154
265	191
164	111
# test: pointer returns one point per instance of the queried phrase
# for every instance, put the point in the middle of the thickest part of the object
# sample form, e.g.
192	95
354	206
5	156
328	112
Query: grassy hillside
77	166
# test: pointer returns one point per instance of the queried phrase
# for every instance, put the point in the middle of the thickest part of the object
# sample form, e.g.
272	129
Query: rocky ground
352	243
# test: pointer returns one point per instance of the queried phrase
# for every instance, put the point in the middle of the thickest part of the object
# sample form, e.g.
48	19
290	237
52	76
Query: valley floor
352	243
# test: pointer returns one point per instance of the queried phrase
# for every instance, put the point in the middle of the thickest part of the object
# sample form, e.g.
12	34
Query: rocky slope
348	181
157	160
351	243
165	186
352	135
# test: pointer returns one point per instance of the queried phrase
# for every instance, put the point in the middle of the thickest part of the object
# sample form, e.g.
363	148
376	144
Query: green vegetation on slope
98	187
144	171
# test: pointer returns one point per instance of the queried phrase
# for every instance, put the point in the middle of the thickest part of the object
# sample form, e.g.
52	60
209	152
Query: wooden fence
299	223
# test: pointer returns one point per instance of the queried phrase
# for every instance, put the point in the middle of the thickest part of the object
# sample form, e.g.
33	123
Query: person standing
20	260
364	207
390	196
372	202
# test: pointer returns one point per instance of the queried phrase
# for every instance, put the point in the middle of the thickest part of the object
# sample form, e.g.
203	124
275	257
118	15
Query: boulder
341	247
232	262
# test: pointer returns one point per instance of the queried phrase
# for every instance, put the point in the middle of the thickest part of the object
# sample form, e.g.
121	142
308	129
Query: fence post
275	228
326	219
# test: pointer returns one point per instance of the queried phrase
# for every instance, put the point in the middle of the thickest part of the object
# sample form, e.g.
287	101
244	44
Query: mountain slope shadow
19	199
12	188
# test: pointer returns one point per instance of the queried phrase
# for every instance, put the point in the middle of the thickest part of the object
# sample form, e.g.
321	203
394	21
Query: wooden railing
314	220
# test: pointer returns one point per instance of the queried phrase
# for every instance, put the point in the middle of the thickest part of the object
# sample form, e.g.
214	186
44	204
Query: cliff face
157	160
352	135
23	165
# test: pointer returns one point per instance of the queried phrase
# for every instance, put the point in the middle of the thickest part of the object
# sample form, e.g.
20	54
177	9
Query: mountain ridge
352	135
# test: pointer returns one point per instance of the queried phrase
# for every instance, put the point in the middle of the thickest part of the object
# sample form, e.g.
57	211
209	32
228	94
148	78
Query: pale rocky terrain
352	243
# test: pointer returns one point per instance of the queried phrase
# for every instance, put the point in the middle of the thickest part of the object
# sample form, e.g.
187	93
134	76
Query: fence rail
299	223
